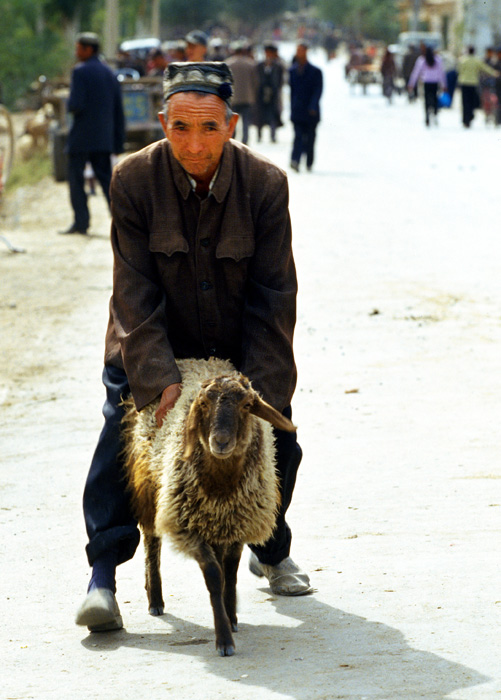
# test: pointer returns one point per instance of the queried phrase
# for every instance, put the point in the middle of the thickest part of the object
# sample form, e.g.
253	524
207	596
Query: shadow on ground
328	654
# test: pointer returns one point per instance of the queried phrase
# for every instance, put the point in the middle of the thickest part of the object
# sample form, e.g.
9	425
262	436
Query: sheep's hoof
234	627
225	650
156	611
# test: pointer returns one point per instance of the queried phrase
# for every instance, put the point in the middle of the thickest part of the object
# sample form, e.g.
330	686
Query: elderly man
203	267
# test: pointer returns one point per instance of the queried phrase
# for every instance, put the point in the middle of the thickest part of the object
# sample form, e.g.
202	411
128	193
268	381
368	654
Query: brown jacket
195	278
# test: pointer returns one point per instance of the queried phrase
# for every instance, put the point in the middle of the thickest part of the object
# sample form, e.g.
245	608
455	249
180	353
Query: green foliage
79	11
191	14
375	19
28	48
254	11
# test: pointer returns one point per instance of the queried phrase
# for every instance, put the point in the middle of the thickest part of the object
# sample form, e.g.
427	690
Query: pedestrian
469	71
408	63
429	70
218	49
185	285
388	73
306	83
98	126
244	70
197	45
497	87
177	52
157	63
270	73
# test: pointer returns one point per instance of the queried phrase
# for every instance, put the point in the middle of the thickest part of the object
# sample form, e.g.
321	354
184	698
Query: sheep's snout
222	444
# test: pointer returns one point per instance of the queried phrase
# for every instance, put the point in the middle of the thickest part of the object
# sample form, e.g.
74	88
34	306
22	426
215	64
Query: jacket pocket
168	242
236	247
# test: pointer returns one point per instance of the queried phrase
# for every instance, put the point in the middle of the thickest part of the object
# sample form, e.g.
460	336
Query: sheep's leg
230	568
214	581
153	585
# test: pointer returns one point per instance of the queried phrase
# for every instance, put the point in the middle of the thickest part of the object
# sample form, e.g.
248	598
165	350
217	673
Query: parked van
433	39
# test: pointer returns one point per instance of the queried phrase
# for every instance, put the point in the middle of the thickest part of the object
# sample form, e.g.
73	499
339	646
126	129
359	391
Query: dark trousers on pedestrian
101	164
304	142
108	517
430	100
471	101
244	111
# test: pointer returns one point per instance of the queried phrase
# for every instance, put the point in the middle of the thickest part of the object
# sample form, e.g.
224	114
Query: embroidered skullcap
211	77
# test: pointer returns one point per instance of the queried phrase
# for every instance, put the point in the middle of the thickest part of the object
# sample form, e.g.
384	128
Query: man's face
301	53
195	52
197	130
83	53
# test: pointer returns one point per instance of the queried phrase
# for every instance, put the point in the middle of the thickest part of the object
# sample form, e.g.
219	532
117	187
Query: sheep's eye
248	406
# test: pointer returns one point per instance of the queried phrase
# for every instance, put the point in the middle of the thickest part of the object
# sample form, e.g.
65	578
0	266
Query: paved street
397	507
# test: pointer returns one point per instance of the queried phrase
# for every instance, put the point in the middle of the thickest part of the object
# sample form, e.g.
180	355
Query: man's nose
195	144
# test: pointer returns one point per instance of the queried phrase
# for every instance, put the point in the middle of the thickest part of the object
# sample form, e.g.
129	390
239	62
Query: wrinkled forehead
196	105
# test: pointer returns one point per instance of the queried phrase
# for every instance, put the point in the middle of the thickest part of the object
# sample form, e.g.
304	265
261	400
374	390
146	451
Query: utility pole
110	28
155	19
415	15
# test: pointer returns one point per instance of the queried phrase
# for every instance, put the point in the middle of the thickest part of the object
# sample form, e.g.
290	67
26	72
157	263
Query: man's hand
169	397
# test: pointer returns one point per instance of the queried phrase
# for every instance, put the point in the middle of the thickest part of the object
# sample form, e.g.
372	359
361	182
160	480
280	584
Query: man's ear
161	117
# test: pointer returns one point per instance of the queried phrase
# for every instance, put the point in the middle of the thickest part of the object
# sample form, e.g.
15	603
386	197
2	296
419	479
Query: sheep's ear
263	410
191	430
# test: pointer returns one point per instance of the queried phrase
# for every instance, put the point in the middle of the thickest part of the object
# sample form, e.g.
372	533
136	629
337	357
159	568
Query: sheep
25	147
206	478
37	126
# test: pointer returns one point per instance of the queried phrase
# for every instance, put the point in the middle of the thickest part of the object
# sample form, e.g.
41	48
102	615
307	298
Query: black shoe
74	229
295	165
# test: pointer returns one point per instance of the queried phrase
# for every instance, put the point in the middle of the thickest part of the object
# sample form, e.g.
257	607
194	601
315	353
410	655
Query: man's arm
138	303
314	106
77	98
270	305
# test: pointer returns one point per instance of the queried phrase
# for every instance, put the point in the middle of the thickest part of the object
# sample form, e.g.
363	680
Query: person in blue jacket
306	83
98	126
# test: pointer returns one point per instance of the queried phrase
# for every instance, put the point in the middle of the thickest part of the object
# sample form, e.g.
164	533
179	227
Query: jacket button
204	286
205	242
212	351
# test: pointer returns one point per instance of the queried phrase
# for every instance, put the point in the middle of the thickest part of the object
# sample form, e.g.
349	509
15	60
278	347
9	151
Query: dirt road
397	506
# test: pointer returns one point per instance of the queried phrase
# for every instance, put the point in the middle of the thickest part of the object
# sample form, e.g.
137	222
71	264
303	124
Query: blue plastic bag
444	100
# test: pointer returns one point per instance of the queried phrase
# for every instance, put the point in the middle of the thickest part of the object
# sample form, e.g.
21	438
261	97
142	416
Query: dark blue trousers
108	517
304	142
101	164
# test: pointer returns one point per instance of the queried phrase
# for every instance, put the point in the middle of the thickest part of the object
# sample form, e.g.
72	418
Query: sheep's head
219	417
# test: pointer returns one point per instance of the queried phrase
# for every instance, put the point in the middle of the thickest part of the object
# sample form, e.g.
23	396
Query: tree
376	19
30	45
190	14
254	11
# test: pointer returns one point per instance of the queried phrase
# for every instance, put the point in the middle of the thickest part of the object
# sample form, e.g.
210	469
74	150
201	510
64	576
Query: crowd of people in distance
257	84
439	73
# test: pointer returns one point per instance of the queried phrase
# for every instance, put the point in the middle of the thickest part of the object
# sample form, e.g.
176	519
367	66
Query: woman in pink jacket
429	70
